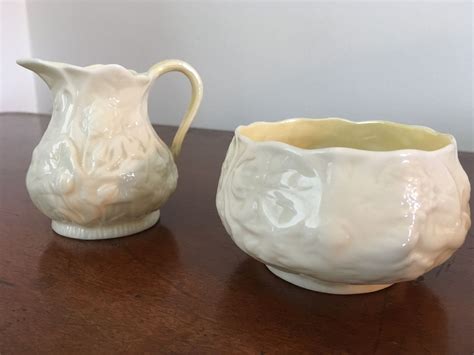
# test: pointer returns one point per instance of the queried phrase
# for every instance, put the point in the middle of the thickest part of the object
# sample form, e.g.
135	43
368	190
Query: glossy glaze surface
100	170
343	215
184	287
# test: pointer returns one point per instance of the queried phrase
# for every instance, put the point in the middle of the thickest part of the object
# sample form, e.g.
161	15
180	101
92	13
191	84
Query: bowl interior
332	132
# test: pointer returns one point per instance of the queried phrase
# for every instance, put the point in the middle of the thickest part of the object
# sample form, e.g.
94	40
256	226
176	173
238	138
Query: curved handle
196	85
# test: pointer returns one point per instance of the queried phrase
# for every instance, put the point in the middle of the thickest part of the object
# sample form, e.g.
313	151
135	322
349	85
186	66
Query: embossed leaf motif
418	196
62	101
283	192
107	193
109	155
65	181
63	169
98	116
100	160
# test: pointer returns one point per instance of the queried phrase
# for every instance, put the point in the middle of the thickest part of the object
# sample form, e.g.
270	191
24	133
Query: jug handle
196	96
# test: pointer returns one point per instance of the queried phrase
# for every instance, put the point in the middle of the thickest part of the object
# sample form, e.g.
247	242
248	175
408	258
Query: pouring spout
50	72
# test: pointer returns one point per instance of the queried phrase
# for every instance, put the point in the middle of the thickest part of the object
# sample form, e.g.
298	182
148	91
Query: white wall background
402	61
17	91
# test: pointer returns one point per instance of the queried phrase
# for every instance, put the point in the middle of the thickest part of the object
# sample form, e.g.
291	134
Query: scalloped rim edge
283	145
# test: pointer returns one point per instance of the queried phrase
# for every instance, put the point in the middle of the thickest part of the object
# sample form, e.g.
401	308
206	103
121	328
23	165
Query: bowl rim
282	145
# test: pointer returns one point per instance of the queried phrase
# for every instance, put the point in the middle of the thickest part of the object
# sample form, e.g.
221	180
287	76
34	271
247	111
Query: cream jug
100	170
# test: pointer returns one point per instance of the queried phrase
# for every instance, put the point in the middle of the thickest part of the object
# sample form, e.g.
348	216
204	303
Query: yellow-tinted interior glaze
325	133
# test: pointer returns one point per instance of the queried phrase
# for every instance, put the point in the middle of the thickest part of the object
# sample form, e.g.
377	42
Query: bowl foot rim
313	284
116	230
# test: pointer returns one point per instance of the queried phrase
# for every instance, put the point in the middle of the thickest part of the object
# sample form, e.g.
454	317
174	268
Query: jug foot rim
117	230
313	284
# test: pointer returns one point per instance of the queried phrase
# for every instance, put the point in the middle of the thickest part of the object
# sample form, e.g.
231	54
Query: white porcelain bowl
342	207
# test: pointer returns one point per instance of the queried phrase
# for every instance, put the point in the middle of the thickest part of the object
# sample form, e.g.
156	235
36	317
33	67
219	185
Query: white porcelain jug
100	170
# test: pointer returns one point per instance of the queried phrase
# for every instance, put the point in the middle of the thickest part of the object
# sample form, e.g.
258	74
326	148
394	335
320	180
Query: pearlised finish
100	170
339	219
183	287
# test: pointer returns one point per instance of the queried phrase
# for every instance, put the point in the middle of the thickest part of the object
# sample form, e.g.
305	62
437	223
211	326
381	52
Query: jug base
310	283
116	230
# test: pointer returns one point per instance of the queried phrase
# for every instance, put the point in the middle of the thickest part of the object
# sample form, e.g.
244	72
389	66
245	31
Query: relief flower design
274	192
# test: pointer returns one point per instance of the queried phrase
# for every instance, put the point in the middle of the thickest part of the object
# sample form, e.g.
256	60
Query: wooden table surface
184	287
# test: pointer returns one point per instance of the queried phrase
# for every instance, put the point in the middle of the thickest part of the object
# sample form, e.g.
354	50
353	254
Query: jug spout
50	72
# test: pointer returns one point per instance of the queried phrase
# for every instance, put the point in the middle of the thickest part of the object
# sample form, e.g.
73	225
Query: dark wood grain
184	287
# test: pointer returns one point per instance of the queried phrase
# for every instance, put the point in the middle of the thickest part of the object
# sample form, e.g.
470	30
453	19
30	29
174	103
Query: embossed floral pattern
343	215
99	160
